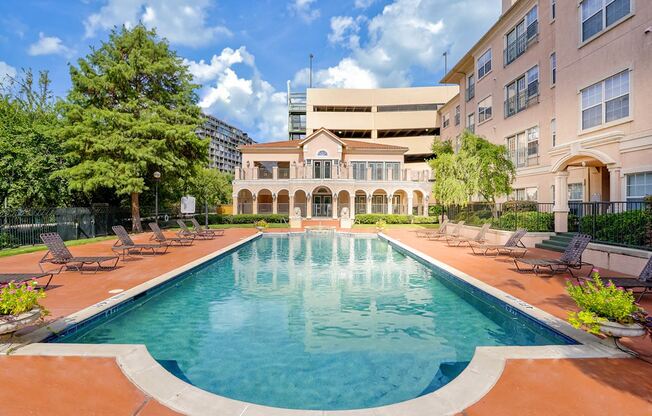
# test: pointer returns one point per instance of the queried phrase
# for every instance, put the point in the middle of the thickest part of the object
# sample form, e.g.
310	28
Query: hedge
531	221
246	218
628	228
393	219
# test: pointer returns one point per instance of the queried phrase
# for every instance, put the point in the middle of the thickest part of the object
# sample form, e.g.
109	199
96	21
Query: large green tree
478	168
212	186
132	110
29	150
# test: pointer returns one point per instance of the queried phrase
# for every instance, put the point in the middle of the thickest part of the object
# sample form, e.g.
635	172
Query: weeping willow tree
478	169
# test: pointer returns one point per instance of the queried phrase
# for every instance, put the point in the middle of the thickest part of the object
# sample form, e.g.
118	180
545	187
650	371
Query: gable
322	145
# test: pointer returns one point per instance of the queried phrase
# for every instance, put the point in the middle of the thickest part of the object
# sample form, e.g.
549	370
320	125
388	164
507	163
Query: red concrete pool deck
96	386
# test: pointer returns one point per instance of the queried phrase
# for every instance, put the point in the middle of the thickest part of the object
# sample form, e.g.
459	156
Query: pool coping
479	377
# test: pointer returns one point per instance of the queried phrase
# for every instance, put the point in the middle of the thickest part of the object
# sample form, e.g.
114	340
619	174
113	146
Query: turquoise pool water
316	322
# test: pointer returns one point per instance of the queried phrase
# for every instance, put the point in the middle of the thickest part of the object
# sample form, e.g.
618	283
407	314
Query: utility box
188	205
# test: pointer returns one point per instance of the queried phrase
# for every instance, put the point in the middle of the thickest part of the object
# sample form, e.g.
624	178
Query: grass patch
40	247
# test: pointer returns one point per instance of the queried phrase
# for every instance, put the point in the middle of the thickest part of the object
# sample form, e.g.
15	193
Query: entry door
322	205
322	169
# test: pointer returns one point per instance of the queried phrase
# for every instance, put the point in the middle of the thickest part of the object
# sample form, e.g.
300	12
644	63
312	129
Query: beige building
565	86
324	174
395	116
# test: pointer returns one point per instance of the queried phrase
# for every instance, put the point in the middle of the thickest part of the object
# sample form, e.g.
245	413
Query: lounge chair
59	254
426	232
643	282
513	246
199	228
6	278
126	245
454	233
569	260
157	235
478	239
186	232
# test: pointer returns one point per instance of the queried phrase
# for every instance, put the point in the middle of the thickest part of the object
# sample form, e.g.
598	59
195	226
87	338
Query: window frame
553	131
458	115
605	28
470	87
603	103
553	69
528	40
445	120
484	66
468	125
522	157
481	113
648	182
553	10
522	86
581	187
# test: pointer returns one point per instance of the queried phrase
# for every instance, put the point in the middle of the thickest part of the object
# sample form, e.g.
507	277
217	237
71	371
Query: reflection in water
318	322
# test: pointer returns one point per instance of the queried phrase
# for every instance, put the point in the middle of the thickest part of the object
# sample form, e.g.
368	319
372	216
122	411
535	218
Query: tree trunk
136	226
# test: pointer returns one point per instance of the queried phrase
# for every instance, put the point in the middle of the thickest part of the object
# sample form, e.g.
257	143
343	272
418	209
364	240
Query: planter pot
261	229
616	330
379	229
10	324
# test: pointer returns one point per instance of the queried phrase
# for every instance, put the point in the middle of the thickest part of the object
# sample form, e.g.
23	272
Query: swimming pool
316	322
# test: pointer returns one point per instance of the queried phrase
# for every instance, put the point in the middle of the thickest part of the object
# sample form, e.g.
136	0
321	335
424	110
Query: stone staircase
557	242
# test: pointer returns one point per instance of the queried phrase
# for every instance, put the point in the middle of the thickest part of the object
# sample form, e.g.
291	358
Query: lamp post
157	179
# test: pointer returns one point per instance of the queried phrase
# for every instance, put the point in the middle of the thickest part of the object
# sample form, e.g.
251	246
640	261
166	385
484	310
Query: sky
242	53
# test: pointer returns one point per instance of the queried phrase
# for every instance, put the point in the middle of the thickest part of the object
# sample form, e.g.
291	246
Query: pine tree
132	110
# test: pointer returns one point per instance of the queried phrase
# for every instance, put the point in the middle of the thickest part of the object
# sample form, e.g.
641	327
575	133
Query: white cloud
363	4
303	9
247	101
346	74
407	34
48	45
182	22
6	72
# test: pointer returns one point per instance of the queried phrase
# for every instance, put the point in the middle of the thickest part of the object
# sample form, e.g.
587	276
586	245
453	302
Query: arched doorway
322	202
264	201
283	202
245	202
360	202
379	202
399	203
343	200
300	201
417	203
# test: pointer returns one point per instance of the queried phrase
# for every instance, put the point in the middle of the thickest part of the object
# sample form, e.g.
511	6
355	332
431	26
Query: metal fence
627	224
533	216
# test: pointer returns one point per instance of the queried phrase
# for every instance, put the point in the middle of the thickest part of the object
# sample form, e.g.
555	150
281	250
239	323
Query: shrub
435	210
16	298
531	221
388	218
425	220
247	218
628	227
520	206
599	302
261	224
381	224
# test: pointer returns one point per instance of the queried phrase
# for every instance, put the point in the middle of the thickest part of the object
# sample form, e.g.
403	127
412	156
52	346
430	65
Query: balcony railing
522	100
336	173
520	45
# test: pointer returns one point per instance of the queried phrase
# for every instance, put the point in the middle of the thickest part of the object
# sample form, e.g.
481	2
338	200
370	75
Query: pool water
316	322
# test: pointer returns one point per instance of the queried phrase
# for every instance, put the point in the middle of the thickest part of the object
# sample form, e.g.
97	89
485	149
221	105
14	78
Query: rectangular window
598	15
470	122
523	148
553	131
484	64
606	101
639	185
526	194
575	192
521	36
377	170
470	87
533	143
553	9
395	167
522	93
484	109
553	68
359	170
445	120
457	115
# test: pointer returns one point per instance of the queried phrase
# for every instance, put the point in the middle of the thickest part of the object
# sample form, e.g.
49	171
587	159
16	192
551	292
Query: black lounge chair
6	278
454	233
126	245
478	239
643	282
157	235
513	246
188	233
570	260
59	254
198	228
426	232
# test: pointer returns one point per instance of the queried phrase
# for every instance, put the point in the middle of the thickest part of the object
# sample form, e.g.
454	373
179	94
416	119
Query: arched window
322	153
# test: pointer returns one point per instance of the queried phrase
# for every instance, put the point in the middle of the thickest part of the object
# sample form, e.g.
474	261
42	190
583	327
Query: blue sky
244	52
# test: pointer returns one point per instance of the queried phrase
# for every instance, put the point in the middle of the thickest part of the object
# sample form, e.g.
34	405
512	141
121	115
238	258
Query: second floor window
485	109
470	122
600	14
470	88
457	115
445	120
484	64
521	36
522	92
606	101
553	68
359	170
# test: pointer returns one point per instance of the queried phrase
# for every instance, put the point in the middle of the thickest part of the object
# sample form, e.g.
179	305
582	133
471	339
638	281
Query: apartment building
394	116
223	152
565	86
323	174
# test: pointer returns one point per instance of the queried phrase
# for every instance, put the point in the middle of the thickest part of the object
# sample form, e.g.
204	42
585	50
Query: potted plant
261	225
605	309
380	225
19	306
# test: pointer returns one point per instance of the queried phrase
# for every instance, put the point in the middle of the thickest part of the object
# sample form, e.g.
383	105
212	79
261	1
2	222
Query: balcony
522	100
298	174
521	44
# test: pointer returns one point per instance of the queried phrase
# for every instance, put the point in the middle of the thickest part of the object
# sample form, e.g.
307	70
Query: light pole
311	56
157	179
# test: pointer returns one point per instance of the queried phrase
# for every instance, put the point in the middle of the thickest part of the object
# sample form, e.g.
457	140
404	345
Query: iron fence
533	216
627	223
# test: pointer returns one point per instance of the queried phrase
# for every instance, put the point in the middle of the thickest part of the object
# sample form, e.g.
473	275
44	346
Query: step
550	247
561	238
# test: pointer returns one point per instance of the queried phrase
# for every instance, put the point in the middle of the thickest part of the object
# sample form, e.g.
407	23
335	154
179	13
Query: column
561	202
369	204
274	203
235	204
390	206
334	206
368	173
275	172
254	205
409	203
308	206
425	205
614	184
291	205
